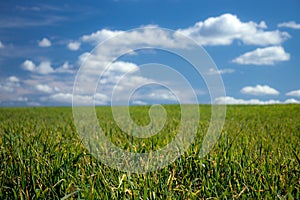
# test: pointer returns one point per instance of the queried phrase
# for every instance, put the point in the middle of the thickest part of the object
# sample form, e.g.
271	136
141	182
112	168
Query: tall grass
256	157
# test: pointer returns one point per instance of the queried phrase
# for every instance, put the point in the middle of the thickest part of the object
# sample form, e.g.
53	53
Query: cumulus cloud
259	90
295	93
44	42
263	56
232	100
290	24
28	65
1	45
43	68
74	46
224	29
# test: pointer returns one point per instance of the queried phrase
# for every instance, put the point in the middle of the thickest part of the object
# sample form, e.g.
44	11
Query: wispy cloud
295	93
220	71
290	24
22	22
232	100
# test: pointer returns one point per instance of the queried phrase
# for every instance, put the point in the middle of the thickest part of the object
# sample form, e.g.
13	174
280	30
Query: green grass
256	157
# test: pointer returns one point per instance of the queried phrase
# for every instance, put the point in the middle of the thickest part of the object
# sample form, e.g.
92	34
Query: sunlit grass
256	157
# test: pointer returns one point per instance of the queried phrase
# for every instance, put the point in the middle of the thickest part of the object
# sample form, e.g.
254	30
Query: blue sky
254	44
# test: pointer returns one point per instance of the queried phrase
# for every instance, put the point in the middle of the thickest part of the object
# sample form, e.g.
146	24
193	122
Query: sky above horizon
43	44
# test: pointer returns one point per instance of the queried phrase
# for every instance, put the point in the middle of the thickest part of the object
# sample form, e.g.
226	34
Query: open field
257	157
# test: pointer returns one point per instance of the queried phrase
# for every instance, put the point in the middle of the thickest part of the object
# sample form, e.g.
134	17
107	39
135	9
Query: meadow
256	157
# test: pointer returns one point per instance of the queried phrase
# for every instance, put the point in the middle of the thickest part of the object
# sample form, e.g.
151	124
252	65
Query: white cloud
130	39
138	102
98	99
232	100
101	99
44	43
162	95
28	65
290	24
100	36
13	79
291	101
44	68
62	97
65	68
213	71
74	46
295	93
224	29
123	67
46	88
259	90
263	56
1	45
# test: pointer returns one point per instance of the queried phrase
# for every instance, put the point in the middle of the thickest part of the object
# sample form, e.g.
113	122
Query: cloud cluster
10	84
45	67
220	30
12	91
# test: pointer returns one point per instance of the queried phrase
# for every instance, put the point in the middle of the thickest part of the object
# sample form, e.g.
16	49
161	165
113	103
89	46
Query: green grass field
256	157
